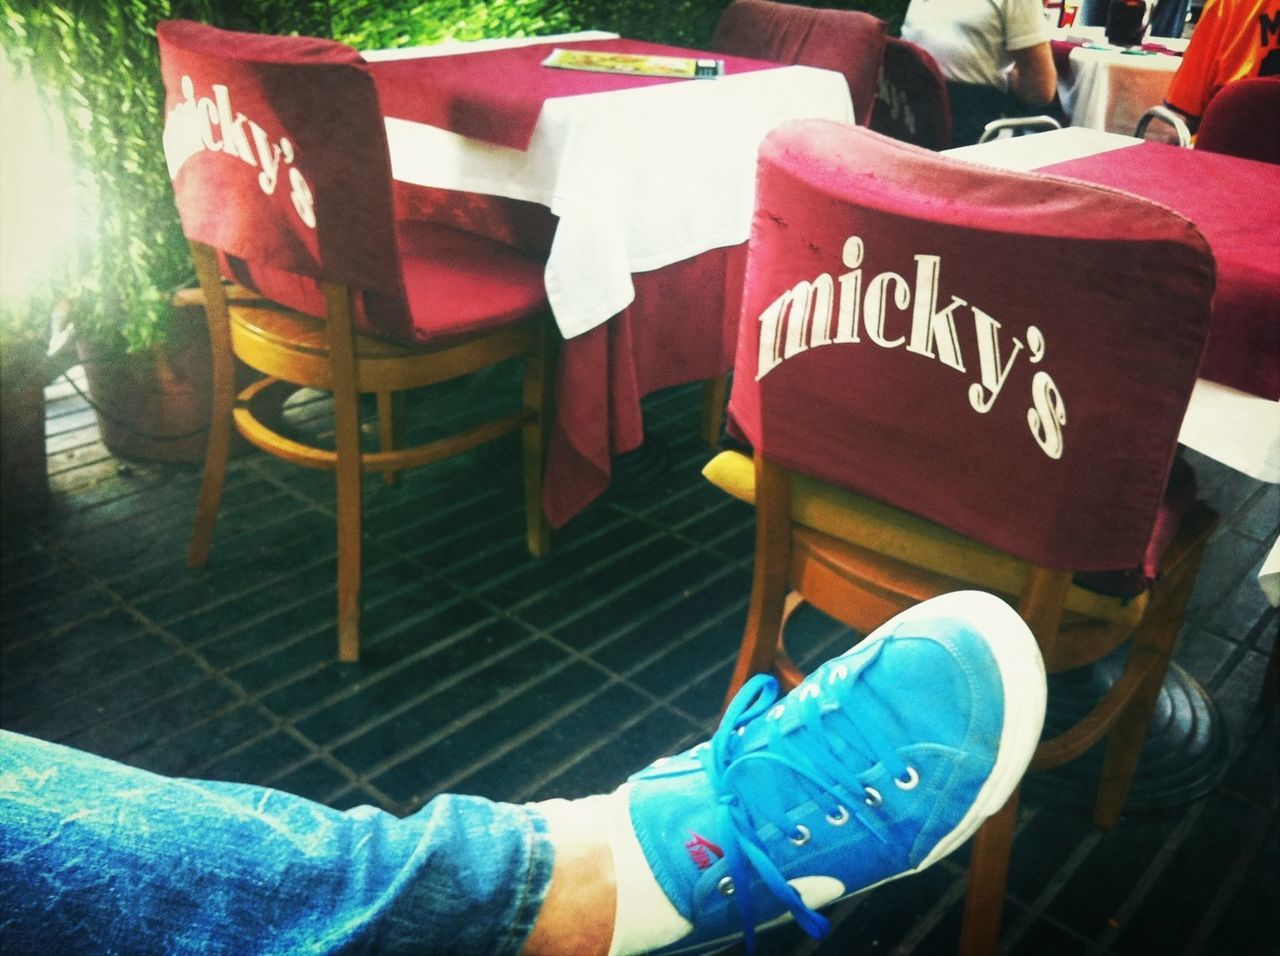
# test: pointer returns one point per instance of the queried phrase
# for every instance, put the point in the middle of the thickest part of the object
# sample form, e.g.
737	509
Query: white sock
644	919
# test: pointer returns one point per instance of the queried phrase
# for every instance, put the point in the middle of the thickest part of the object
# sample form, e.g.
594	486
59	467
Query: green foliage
97	65
376	24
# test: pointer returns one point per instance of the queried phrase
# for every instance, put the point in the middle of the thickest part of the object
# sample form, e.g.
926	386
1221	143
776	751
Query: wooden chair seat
861	561
904	537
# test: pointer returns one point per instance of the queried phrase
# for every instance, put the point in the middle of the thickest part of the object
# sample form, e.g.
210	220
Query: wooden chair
849	42
280	169
1243	119
911	99
955	377
913	103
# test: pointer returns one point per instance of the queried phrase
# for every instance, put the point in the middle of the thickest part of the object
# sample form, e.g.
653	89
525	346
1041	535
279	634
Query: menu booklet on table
637	64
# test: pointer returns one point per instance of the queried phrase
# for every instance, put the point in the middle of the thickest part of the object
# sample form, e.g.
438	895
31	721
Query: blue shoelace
821	754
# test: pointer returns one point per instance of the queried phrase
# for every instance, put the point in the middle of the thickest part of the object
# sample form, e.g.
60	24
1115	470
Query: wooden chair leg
715	394
1124	750
1271	682
770	575
348	469
539	377
1156	634
218	448
784	668
391	409
216	455
348	474
988	879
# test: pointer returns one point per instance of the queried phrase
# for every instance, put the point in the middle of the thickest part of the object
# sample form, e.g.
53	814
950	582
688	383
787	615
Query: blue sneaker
880	763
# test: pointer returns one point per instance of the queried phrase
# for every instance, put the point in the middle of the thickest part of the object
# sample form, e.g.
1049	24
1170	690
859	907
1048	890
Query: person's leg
974	106
99	857
884	760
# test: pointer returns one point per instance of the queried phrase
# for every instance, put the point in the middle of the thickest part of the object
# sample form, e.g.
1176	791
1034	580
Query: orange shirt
1234	39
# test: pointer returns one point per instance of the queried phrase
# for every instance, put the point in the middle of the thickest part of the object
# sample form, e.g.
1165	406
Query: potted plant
96	65
38	216
24	488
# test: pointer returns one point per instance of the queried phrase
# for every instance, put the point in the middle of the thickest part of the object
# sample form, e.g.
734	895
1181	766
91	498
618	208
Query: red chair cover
1243	120
278	156
846	41
243	111
913	326
912	103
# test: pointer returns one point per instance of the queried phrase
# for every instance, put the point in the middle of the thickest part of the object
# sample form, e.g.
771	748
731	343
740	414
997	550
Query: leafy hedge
372	24
97	66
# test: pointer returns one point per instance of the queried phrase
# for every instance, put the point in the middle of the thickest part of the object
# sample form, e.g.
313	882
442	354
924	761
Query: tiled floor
489	672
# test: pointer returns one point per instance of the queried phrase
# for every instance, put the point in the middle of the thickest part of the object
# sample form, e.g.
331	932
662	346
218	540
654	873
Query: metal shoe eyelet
874	799
802	835
839	818
725	886
910	782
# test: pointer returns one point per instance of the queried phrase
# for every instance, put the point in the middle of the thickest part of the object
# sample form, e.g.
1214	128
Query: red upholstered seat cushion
455	283
526	226
458	282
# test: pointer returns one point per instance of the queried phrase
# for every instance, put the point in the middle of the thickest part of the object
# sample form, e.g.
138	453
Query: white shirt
972	40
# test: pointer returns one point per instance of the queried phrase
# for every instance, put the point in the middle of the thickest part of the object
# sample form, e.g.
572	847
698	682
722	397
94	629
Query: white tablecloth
640	178
1107	89
1238	429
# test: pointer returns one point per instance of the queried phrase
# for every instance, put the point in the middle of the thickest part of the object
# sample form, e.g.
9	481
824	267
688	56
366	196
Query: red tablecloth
497	96
682	327
1236	205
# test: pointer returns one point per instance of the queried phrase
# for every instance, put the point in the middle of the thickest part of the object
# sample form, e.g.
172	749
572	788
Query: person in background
1233	39
881	762
994	55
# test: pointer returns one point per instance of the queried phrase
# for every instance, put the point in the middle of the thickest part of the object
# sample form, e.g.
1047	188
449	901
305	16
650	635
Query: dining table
645	186
1233	415
1105	87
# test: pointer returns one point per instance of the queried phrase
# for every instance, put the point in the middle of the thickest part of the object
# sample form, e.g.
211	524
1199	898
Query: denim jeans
96	857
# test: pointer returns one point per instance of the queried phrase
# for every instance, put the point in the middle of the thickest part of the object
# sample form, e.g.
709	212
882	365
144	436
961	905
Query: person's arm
1033	79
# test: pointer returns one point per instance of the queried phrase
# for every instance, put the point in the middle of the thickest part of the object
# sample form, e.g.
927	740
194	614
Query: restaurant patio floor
489	672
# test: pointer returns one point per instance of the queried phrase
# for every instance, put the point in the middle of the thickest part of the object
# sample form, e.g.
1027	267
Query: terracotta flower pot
24	472
154	405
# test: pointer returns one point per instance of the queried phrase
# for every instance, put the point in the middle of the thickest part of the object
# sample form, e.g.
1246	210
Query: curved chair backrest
1005	354
1243	119
912	103
850	42
278	157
